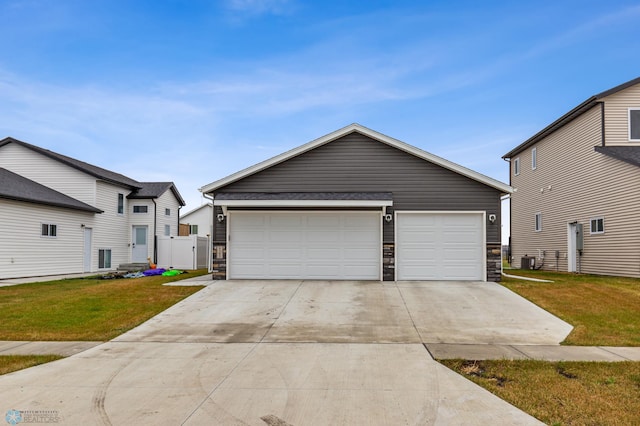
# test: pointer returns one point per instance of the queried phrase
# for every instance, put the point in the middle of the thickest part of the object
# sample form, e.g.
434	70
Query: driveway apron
291	353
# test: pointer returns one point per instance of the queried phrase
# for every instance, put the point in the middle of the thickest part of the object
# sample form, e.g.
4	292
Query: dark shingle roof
568	117
155	190
19	188
90	169
628	154
269	196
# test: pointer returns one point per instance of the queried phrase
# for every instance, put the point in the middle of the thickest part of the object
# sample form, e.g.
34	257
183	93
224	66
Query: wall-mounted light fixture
388	218
492	218
82	225
220	218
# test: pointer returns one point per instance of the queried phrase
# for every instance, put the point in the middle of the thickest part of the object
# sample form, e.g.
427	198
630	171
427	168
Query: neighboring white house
200	220
59	215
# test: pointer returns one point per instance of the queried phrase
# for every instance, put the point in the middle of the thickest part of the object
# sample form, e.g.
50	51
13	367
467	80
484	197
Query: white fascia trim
504	188
302	203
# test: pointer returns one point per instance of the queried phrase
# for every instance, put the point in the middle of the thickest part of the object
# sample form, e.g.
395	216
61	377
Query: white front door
139	251
87	249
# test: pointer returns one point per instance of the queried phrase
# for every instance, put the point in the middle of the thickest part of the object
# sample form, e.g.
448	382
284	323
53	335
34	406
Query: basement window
597	225
49	230
634	124
104	258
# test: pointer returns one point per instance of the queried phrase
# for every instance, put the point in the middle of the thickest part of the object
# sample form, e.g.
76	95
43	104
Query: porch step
133	267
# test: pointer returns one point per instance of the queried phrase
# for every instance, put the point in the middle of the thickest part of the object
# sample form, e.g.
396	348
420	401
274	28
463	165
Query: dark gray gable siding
357	163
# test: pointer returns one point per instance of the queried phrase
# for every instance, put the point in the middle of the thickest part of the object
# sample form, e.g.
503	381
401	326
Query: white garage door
304	245
440	246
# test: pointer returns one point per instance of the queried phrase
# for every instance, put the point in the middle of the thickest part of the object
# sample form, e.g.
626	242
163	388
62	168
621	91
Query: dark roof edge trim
569	117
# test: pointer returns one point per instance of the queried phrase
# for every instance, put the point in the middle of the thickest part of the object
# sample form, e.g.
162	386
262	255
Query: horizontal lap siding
110	229
616	115
584	185
24	252
48	172
356	163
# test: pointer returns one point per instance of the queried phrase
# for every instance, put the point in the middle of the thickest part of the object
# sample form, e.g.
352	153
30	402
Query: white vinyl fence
183	252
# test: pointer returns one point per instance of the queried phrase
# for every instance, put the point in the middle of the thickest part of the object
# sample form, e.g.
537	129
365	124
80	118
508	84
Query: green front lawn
85	308
605	311
9	363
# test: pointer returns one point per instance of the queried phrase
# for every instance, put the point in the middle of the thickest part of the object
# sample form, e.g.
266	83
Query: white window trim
534	158
110	258
121	213
538	222
629	124
167	212
591	231
516	166
49	225
133	209
167	230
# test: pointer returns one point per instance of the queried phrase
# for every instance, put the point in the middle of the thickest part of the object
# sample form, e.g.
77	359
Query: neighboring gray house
356	204
60	215
581	173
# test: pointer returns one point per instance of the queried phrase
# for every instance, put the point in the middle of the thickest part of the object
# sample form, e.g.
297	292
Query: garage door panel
306	245
440	246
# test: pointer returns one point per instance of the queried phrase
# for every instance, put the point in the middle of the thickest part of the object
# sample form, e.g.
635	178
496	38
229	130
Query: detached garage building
356	205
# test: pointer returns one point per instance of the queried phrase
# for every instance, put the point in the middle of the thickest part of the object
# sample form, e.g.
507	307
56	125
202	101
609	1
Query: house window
634	124
167	230
534	158
49	230
140	209
193	229
120	203
516	166
597	225
538	223
104	258
167	212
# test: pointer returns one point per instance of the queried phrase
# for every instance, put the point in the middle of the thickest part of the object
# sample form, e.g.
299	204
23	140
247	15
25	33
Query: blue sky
191	91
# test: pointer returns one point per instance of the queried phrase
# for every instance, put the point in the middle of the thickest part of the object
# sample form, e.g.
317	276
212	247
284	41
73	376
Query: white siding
24	252
572	182
617	115
111	230
167	201
48	172
201	217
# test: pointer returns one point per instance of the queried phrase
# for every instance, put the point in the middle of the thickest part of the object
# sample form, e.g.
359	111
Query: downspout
155	232
213	231
508	160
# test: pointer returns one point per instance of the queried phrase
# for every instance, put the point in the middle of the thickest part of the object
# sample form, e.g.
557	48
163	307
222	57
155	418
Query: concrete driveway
292	353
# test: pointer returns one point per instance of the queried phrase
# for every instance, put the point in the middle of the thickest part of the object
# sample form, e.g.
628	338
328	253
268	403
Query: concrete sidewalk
436	350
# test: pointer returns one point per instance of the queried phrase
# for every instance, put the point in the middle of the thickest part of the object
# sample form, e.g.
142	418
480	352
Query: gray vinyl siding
356	163
617	115
572	182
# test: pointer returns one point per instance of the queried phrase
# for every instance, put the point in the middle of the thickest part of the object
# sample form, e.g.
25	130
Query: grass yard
605	311
85	308
9	363
562	393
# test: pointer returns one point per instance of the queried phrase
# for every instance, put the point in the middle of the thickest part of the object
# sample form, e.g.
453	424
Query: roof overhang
303	200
